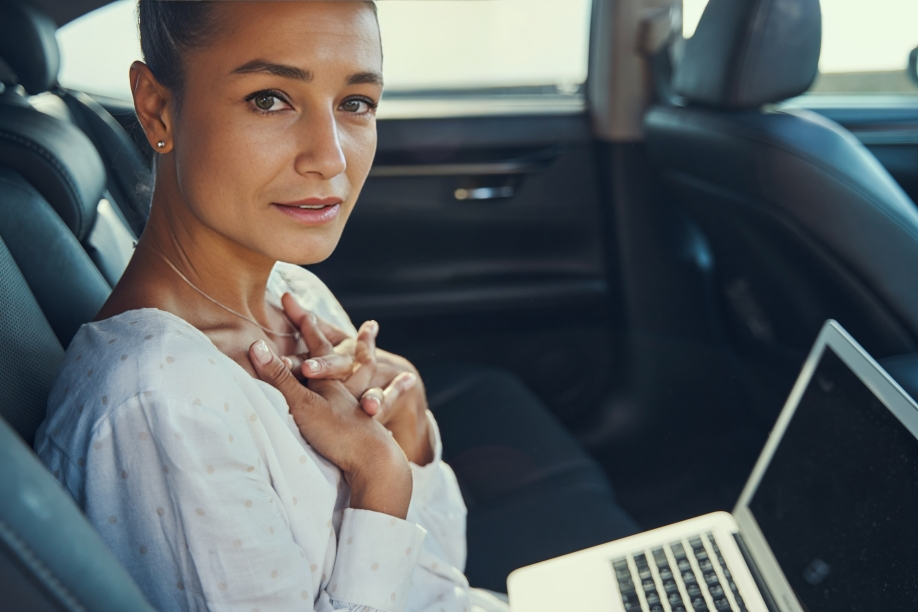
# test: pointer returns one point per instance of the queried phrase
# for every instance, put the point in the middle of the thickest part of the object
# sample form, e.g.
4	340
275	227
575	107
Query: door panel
484	239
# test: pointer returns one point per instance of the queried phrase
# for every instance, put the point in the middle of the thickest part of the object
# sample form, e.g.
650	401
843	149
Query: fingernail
372	403
312	365
262	352
409	381
312	318
374	327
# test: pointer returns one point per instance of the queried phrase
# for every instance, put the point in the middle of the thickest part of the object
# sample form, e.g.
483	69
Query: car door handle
485	193
473	169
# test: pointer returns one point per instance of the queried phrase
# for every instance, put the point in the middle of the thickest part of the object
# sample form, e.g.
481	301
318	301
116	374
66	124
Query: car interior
604	300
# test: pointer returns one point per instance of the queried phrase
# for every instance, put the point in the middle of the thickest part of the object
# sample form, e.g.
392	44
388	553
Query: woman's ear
153	105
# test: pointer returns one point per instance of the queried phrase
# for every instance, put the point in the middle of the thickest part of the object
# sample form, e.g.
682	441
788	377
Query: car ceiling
65	11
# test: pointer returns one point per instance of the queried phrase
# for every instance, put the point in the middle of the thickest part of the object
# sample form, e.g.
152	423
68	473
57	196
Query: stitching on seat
57	165
25	553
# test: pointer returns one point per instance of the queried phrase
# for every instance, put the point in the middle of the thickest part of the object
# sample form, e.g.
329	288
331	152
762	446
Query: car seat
803	222
33	143
50	557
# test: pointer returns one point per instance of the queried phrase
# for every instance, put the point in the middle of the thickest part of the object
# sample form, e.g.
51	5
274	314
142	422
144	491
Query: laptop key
693	590
684	565
711	578
688	577
699	605
652	598
716	591
670	586
706	565
721	605
666	573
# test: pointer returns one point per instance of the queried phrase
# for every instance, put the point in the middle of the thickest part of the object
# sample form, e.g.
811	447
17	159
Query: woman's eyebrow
292	72
365	78
281	70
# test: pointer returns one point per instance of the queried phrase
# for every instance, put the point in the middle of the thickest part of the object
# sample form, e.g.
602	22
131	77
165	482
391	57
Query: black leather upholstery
45	540
52	150
50	557
68	287
129	176
746	53
804	223
58	159
28	45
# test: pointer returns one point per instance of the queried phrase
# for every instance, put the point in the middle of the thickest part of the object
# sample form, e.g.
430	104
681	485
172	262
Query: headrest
746	53
58	160
28	45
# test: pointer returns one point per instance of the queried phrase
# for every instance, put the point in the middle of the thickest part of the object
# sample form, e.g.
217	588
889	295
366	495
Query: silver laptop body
824	523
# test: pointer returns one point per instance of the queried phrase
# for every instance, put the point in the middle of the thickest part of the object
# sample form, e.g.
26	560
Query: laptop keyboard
686	576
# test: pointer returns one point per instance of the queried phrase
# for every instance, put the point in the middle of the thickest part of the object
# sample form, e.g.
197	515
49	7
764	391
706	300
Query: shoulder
147	350
310	292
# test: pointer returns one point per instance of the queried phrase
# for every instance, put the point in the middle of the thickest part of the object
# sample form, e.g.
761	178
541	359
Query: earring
161	144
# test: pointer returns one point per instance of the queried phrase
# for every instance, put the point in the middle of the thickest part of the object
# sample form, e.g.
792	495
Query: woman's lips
313	211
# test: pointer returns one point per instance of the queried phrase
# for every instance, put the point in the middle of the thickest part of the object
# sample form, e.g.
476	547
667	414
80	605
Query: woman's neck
178	258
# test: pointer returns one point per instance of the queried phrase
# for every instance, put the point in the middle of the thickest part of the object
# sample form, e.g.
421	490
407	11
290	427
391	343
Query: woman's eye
267	101
357	106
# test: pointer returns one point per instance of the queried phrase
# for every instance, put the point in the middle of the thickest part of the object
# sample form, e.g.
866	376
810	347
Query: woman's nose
320	149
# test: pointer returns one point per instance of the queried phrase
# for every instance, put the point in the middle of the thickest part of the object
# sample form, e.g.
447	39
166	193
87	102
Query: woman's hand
395	397
332	421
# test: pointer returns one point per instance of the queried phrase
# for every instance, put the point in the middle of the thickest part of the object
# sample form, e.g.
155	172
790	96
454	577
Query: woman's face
277	130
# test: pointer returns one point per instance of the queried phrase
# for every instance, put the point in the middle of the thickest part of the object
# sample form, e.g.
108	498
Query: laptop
827	522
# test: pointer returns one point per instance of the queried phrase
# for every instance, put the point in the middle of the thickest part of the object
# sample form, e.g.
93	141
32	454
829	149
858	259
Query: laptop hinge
756	575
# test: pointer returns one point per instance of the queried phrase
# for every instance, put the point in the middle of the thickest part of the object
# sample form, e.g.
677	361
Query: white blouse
196	476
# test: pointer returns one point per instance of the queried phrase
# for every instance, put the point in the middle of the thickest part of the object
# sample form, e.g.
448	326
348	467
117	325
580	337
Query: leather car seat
50	557
803	222
42	146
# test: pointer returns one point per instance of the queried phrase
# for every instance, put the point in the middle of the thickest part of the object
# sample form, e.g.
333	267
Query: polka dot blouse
198	479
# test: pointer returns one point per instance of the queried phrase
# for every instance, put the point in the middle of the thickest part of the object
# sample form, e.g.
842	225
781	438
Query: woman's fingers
308	324
315	340
297	313
364	359
335	334
334	366
379	403
272	369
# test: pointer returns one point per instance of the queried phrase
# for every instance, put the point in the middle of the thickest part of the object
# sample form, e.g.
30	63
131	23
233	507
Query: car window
446	48
865	45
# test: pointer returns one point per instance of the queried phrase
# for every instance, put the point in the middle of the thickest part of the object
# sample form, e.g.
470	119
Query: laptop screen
838	503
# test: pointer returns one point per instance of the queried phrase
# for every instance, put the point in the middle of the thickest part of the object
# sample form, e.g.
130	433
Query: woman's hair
169	30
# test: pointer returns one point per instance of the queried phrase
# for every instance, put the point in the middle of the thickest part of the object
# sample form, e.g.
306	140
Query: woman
220	480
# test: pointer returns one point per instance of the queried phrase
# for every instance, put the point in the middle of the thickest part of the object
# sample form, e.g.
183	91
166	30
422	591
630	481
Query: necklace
295	335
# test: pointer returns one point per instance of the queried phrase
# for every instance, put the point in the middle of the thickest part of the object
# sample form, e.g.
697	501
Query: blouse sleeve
186	501
437	506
